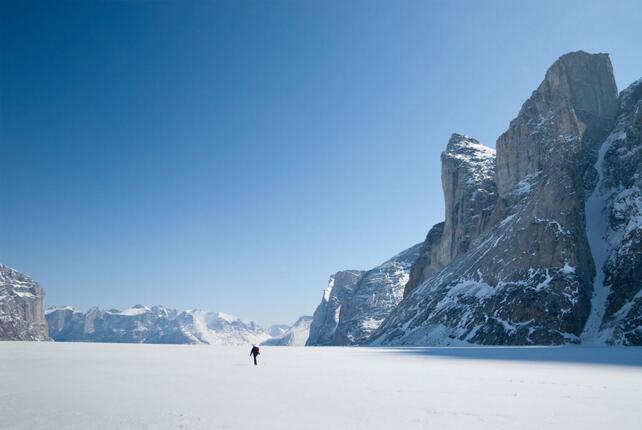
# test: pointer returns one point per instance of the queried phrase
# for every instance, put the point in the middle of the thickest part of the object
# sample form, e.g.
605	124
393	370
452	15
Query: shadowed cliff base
611	356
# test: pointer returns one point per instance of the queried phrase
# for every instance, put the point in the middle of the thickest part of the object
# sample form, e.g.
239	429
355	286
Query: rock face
614	229
356	303
468	180
326	316
297	335
375	295
527	278
157	324
21	307
568	115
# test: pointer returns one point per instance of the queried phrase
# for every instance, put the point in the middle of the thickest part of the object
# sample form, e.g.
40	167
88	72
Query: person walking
254	352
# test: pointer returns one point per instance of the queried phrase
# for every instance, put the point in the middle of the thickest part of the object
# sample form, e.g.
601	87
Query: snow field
131	386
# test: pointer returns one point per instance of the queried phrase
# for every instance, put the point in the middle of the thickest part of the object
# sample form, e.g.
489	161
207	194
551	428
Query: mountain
614	229
550	250
141	324
326	316
277	330
21	307
356	302
297	335
219	328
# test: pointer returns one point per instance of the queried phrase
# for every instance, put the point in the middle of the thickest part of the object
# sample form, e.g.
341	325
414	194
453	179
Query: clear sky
231	155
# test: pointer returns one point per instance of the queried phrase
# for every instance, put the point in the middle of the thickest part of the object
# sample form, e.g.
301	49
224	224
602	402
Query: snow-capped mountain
614	229
277	330
217	328
21	307
356	302
551	251
141	324
326	316
296	335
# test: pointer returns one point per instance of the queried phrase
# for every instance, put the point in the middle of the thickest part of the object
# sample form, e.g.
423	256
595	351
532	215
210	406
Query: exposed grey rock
373	298
296	335
564	120
66	323
527	278
326	316
427	262
356	302
468	180
157	324
21	307
614	226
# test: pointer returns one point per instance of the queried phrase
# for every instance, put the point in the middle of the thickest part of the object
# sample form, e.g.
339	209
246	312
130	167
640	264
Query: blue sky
232	155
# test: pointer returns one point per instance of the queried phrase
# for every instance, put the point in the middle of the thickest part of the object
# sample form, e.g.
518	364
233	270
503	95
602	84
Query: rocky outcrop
296	335
356	302
527	277
614	227
142	324
21	307
427	262
373	298
468	181
326	316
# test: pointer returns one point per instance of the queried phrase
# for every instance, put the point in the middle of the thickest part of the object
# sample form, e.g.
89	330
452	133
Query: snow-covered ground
129	386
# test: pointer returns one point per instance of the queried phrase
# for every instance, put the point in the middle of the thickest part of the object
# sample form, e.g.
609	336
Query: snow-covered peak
219	328
461	145
474	161
297	335
277	330
10	276
134	311
227	317
59	309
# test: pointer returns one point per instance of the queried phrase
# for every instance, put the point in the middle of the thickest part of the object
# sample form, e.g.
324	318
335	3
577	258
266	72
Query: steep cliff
468	181
21	307
326	316
527	278
614	228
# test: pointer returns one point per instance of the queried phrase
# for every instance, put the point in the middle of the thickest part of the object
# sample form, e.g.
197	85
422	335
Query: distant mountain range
157	324
22	318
